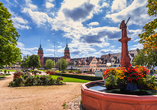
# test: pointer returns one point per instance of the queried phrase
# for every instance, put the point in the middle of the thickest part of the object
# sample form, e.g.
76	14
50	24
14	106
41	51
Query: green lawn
42	70
67	79
8	70
2	76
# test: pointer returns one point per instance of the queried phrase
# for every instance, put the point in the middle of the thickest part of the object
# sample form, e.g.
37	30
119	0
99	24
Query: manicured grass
2	76
8	70
67	79
42	70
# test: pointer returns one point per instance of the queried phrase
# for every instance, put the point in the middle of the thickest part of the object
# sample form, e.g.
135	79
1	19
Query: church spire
40	48
66	48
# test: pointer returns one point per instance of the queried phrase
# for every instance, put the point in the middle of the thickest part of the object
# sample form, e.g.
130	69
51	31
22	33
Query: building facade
55	59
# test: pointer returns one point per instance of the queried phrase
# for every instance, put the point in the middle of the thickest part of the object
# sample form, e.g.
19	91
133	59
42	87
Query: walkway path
38	97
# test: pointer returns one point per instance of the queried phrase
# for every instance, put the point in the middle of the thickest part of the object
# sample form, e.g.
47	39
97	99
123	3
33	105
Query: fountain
95	96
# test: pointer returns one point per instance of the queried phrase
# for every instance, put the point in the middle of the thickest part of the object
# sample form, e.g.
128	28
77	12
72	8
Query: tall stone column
125	59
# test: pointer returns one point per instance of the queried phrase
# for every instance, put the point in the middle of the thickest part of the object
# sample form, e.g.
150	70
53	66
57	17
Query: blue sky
91	27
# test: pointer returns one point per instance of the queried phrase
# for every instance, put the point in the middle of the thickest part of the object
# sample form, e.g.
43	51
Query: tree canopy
9	53
34	62
62	64
149	59
149	36
49	64
25	61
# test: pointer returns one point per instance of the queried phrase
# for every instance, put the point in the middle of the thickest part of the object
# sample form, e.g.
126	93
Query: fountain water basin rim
93	99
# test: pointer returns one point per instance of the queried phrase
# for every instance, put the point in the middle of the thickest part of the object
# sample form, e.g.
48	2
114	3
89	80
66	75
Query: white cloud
26	51
137	11
106	51
50	0
19	26
39	18
59	46
49	50
136	40
48	40
30	5
49	5
48	55
104	5
134	47
33	7
118	5
16	1
8	1
18	21
20	45
93	23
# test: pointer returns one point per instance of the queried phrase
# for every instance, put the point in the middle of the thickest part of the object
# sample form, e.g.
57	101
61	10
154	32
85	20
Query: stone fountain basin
97	100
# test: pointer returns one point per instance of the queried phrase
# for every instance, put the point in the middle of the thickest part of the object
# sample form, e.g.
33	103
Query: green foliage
152	7
34	62
25	61
62	64
149	37
16	82
49	64
25	79
111	80
149	59
140	58
9	53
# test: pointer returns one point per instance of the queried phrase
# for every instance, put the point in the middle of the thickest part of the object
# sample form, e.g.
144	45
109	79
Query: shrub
29	81
26	75
5	71
51	72
16	82
58	81
17	75
51	81
44	80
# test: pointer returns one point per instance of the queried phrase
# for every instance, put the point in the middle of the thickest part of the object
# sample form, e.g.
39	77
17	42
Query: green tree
25	61
9	53
62	64
152	59
140	58
49	64
149	37
149	59
34	62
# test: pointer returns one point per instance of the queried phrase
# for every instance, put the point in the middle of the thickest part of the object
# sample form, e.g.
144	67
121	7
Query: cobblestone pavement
75	104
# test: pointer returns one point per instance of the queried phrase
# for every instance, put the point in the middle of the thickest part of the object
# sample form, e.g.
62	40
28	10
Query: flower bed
25	79
129	79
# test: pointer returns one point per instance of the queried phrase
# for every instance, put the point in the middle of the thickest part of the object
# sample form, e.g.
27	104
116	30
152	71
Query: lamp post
54	54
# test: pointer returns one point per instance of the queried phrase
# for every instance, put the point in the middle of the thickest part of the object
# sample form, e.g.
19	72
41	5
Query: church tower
40	54
67	53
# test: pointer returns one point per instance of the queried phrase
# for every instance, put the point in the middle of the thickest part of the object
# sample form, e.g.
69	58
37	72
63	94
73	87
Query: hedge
91	78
